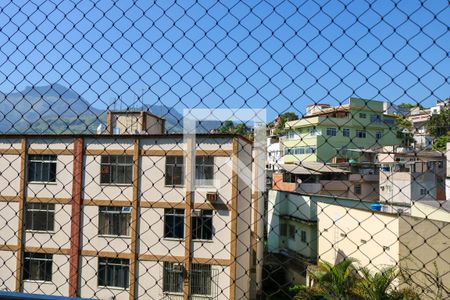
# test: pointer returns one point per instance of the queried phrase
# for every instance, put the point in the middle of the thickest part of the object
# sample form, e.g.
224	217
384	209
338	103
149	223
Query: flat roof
121	136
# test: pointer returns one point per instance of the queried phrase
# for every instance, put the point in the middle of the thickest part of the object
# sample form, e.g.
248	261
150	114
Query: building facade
325	132
100	216
375	239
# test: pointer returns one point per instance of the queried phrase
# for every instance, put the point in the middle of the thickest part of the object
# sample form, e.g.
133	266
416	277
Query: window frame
303	236
178	220
111	176
114	213
44	268
120	266
170	167
173	278
201	164
331	131
361	134
362	115
198	286
37	162
346	132
292	231
205	218
33	212
357	190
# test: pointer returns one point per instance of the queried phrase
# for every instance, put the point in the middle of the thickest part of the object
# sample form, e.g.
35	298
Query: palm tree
377	286
338	281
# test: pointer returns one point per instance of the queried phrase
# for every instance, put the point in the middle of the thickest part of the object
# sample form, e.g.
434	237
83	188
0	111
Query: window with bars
202	225
204	170
201	279
116	169
113	272
114	220
37	266
174	223
174	170
42	168
173	275
40	216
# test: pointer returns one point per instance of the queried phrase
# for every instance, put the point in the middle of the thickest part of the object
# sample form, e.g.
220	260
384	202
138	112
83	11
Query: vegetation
439	128
283	118
409	105
230	127
404	131
345	282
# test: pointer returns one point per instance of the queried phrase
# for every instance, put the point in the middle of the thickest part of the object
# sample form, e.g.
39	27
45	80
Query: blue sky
279	55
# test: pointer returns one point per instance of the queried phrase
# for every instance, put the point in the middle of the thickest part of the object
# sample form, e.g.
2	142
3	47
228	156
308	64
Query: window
314	132
38	266
423	192
173	277
291	135
202	226
116	169
42	168
374	118
362	115
378	135
283	229
113	272
204	169
303	236
385	248
389	121
331	131
358	189
40	216
346	132
310	150
292	232
361	134
174	170
114	220
201	279
174	223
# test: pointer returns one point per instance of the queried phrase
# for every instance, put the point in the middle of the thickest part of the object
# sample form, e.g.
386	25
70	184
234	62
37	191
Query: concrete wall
359	234
425	253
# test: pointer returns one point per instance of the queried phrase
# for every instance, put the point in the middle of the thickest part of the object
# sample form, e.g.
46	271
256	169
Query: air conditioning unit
211	197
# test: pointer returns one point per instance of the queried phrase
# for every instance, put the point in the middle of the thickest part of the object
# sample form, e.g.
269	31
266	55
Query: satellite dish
299	181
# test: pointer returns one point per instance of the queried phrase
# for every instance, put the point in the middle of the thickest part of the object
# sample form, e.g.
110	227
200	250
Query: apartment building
324	179
325	132
407	175
417	244
110	216
292	221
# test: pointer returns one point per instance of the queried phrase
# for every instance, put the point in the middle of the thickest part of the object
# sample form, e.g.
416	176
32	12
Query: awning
296	169
321	167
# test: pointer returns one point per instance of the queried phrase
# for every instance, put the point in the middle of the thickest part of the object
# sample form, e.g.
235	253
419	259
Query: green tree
404	131
227	127
409	105
286	117
439	124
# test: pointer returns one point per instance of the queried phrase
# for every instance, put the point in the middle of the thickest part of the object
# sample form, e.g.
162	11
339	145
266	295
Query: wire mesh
225	149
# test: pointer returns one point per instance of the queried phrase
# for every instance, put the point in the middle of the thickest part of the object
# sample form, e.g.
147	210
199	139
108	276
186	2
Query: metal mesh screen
225	149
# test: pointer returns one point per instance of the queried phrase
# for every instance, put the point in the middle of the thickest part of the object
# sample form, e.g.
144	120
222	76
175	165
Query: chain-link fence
225	149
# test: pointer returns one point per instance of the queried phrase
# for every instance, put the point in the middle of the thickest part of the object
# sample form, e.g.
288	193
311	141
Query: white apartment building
109	216
417	244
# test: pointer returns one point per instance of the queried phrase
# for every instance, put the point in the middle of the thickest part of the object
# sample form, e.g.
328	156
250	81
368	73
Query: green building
326	133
